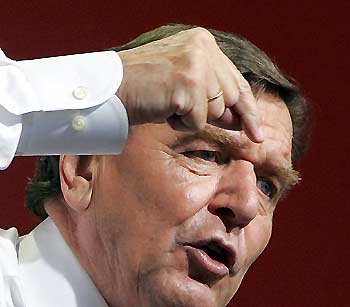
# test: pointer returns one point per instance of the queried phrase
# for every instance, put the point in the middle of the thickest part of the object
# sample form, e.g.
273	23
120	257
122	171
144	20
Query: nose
236	198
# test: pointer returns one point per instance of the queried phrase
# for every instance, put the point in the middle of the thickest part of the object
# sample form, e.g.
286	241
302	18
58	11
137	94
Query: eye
267	187
207	155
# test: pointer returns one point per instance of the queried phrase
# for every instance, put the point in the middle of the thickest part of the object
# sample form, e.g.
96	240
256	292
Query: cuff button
80	93
78	123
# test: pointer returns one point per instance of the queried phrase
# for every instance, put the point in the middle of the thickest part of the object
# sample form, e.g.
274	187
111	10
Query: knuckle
231	97
178	105
189	59
244	85
202	36
192	57
188	79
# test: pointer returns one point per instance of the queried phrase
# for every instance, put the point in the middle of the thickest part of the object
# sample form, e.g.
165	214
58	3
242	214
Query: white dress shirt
39	270
61	105
54	106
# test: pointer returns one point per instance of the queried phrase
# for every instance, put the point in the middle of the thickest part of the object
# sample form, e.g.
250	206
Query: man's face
182	216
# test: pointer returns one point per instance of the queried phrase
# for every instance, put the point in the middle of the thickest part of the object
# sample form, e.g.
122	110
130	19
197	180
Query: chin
172	288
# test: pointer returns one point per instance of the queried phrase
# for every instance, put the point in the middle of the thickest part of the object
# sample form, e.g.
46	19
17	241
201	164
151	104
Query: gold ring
216	96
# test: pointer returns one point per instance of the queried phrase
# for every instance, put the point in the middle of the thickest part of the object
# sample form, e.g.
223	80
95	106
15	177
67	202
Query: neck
82	236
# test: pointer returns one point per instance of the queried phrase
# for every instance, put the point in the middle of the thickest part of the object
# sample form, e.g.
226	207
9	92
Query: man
180	215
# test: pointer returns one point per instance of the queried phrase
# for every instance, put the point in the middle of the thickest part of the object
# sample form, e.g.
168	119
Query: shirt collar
4	60
50	273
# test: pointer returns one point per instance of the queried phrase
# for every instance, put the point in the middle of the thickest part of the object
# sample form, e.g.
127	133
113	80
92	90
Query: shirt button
80	92
78	123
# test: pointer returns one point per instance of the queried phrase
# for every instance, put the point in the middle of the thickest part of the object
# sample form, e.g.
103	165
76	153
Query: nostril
230	220
225	211
227	216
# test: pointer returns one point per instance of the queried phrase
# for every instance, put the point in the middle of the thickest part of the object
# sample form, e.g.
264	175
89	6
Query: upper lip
218	250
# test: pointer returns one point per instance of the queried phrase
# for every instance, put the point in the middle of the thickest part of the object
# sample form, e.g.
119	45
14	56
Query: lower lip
209	264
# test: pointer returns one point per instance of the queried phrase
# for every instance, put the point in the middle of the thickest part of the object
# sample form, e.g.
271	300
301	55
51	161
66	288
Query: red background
306	263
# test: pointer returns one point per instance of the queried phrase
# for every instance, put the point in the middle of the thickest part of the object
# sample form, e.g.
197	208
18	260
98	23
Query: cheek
161	190
187	192
257	236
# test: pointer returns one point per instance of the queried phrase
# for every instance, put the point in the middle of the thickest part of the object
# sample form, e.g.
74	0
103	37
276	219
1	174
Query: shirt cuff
74	82
97	130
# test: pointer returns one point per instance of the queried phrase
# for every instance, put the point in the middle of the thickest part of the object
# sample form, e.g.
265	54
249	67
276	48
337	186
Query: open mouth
216	253
213	256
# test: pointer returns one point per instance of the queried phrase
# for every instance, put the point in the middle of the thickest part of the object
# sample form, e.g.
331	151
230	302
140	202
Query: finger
229	120
215	92
182	104
216	106
196	118
227	79
216	109
246	108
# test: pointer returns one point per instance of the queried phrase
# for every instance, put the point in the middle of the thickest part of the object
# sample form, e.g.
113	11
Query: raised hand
173	79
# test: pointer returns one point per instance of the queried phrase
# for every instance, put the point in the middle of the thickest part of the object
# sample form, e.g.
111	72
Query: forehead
274	113
275	122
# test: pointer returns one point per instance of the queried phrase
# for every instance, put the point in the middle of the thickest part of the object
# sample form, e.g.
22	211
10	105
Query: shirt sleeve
61	105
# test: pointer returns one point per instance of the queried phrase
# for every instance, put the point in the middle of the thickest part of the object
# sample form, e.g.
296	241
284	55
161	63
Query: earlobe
76	180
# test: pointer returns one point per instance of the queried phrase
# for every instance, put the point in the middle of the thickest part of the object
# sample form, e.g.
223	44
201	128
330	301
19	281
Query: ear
76	173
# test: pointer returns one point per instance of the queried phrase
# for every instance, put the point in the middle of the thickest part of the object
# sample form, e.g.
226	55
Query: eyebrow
209	135
285	174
